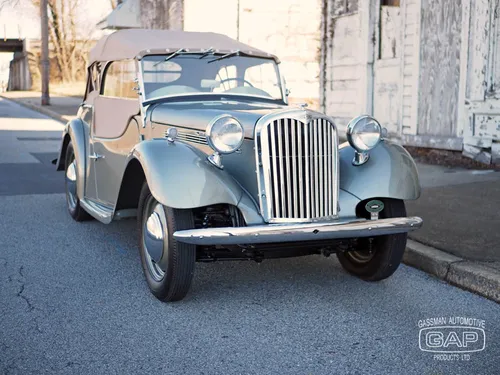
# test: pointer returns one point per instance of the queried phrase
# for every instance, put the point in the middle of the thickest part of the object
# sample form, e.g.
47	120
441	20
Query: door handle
96	156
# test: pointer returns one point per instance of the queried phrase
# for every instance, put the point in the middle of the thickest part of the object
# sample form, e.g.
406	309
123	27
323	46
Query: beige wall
289	29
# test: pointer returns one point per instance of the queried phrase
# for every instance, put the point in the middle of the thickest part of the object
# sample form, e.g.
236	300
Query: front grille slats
280	159
294	167
329	168
301	161
287	158
307	177
274	171
300	138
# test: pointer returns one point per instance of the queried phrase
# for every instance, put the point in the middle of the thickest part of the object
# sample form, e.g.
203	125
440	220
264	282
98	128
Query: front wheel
70	180
168	264
377	258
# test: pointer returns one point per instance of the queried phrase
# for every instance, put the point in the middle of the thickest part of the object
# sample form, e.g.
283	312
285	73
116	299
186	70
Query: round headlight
225	134
363	133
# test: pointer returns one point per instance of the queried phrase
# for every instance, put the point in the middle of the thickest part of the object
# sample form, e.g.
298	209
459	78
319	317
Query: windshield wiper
230	54
209	51
178	52
182	51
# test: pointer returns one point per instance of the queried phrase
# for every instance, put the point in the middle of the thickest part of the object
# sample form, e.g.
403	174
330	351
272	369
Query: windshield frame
210	96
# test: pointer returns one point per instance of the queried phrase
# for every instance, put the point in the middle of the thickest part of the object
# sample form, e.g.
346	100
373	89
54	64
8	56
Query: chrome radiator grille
298	170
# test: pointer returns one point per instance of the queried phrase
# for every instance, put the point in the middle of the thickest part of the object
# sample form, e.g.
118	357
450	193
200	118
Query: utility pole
45	52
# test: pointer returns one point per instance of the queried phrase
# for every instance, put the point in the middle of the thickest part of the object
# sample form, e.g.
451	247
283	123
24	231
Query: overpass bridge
19	72
11	45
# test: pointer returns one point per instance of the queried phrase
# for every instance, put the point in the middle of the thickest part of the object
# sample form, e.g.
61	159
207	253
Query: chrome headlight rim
351	132
209	134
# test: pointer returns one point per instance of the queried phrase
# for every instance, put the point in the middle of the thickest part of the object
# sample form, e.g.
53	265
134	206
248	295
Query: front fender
179	176
75	131
390	172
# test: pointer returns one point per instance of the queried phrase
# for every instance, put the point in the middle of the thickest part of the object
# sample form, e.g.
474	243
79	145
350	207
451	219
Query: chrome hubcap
153	239
71	185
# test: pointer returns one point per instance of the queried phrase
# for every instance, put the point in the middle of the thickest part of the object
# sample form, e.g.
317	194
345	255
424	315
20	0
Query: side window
119	80
93	78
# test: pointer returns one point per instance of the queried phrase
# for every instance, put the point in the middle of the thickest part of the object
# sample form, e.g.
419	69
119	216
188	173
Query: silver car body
111	167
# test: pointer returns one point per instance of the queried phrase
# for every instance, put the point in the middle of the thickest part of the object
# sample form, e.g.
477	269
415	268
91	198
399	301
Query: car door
115	131
86	114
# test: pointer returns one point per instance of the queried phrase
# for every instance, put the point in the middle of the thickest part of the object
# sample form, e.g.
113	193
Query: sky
23	21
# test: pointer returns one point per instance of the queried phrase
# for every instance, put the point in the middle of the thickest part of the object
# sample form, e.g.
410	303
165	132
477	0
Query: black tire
387	251
178	259
73	202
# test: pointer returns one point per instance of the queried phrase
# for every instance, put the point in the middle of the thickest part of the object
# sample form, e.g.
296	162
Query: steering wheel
222	82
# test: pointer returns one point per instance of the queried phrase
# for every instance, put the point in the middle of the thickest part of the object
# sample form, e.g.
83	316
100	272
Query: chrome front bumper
298	232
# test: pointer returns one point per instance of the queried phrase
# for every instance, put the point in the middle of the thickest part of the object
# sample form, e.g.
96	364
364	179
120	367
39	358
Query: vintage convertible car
192	134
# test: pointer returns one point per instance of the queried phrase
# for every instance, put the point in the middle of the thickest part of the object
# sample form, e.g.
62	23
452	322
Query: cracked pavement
73	299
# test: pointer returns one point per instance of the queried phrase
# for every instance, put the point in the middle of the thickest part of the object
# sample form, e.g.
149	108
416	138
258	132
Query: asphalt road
73	299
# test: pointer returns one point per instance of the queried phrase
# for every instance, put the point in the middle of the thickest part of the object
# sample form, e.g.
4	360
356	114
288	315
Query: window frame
105	74
93	83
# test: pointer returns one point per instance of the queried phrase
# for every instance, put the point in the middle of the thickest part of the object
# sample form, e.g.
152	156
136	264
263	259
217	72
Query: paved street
73	299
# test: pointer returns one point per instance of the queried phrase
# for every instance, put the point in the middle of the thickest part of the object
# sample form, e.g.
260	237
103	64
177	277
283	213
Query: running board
102	213
127	213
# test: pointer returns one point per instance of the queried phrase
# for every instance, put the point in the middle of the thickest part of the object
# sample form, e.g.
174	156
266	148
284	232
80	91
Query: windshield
166	75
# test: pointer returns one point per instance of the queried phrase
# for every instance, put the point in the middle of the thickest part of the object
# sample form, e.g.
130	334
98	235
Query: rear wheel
168	264
70	180
377	258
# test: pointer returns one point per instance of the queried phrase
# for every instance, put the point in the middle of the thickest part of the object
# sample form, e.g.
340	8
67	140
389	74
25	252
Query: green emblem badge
374	207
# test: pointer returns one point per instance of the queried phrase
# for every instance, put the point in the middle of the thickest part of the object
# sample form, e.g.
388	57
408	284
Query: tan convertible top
132	43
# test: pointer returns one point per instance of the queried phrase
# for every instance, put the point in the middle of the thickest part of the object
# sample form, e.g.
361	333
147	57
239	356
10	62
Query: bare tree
68	47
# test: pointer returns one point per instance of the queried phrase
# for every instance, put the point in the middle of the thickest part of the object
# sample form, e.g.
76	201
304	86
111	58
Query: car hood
197	115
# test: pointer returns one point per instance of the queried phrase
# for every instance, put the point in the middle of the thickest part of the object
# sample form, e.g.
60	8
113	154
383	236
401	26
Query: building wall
289	29
479	112
410	65
342	61
162	14
440	40
361	61
387	66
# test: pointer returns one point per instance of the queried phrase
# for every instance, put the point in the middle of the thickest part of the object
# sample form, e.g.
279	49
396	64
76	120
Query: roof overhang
124	16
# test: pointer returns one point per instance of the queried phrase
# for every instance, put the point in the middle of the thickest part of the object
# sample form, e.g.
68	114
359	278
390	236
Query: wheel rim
71	185
153	238
361	256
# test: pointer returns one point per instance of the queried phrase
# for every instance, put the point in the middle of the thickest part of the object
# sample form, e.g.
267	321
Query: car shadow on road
278	279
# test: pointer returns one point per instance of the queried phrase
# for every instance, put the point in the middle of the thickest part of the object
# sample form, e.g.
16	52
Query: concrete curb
38	108
473	276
